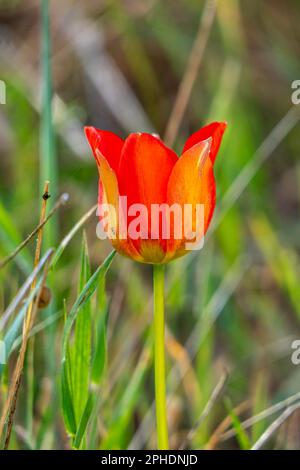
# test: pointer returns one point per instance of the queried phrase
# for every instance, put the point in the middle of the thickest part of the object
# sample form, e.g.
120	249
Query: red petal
107	143
191	182
109	193
145	166
215	130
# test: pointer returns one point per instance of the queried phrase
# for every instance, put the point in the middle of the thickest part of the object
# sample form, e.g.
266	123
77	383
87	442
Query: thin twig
262	415
191	72
217	391
61	201
45	197
274	426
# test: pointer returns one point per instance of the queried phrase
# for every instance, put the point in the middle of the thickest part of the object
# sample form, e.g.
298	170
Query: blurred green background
117	65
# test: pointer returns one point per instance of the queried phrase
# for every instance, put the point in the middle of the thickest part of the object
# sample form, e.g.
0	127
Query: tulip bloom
148	173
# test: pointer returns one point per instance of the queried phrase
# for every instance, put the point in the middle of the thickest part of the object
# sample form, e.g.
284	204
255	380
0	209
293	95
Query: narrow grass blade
67	402
48	164
241	435
10	238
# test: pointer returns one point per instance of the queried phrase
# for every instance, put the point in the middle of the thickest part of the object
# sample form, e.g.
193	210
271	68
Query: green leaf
84	422
68	398
99	360
84	296
81	350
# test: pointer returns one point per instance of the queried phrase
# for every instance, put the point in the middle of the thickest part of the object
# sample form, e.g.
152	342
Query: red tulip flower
147	172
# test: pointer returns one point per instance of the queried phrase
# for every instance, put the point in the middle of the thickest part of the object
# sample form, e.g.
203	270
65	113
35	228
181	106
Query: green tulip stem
159	357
